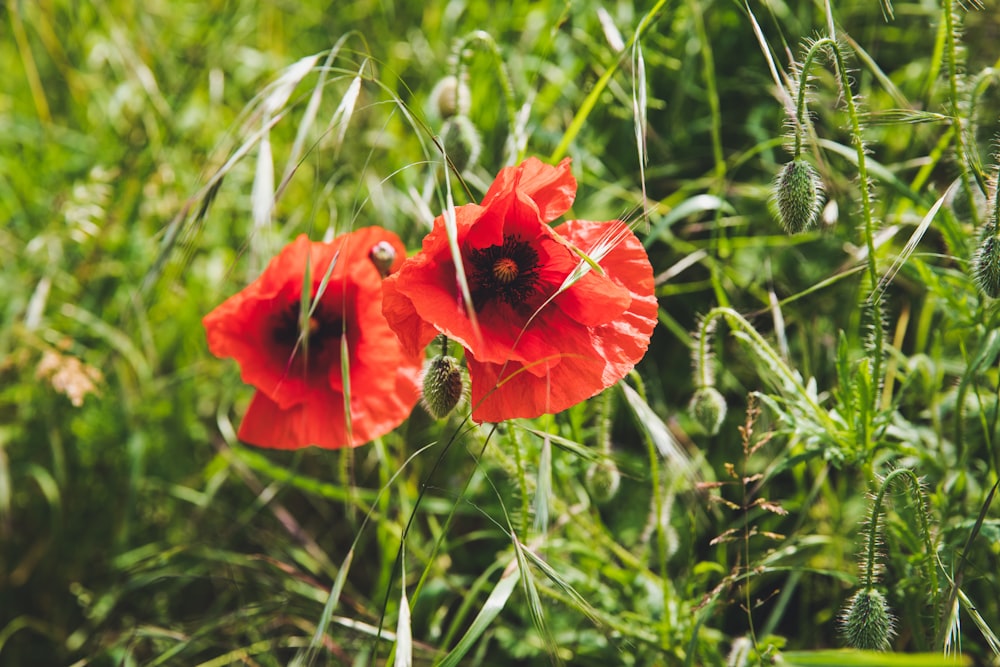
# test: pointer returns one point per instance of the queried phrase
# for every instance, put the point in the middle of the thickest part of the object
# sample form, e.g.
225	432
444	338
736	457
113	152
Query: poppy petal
552	189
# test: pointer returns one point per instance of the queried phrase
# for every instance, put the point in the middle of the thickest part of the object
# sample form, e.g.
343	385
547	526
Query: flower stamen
507	272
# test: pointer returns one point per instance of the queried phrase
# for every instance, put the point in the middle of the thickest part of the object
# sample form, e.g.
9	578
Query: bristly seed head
797	196
602	480
866	622
986	262
461	142
443	386
450	97
708	407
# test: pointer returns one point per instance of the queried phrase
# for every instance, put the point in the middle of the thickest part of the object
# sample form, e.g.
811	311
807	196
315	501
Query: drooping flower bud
708	407
443	386
797	195
866	623
449	97
986	262
383	255
461	142
602	480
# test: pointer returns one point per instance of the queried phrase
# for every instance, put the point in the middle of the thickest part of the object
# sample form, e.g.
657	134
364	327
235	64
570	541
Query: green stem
800	101
766	352
718	240
871	555
867	215
961	152
462	68
604	418
657	512
522	480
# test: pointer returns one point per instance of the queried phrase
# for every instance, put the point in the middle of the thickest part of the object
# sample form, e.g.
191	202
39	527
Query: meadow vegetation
805	460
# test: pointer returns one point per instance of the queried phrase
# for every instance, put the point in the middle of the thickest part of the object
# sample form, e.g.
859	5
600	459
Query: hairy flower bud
866	623
708	407
382	256
461	142
443	386
602	480
986	262
797	195
449	97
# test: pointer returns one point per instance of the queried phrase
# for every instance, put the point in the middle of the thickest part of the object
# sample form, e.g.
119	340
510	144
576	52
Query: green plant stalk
461	67
718	157
658	509
604	421
961	152
866	211
703	357
800	100
522	480
866	204
768	353
871	553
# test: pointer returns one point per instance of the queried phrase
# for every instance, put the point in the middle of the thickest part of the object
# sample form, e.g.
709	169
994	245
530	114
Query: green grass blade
491	609
851	658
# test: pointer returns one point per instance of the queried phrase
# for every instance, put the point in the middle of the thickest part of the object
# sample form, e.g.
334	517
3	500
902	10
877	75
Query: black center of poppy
311	340
508	272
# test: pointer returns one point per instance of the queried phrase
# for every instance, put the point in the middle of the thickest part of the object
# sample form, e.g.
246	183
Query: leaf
852	658
658	432
491	609
688	207
404	633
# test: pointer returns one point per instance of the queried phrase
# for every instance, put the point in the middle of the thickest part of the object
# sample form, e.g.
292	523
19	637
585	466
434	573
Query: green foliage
155	155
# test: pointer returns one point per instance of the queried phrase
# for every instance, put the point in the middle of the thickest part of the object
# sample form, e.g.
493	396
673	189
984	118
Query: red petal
552	189
316	421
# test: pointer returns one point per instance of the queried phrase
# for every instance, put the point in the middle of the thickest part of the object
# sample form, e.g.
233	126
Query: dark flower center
312	347
507	272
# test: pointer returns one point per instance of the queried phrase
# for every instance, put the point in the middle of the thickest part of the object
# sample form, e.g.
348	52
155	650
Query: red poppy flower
295	360
546	330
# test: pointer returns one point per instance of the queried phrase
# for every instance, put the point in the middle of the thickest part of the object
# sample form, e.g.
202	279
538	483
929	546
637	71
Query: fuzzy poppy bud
602	480
443	384
708	407
986	262
449	97
461	142
382	255
796	196
866	622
